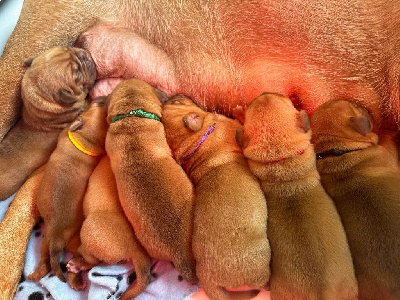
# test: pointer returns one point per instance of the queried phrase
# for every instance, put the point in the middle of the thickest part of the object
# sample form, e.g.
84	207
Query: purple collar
199	143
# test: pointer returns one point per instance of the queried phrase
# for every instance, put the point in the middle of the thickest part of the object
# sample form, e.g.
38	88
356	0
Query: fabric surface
103	281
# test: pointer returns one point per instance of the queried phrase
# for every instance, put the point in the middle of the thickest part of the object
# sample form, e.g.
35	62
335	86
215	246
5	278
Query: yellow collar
80	147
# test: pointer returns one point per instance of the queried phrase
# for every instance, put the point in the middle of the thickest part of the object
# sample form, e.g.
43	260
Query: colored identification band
199	143
334	152
80	147
137	113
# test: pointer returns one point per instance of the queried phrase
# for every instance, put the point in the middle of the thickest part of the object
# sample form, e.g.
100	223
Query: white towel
103	281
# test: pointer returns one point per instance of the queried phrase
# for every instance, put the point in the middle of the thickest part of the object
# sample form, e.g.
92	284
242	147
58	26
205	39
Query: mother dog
224	53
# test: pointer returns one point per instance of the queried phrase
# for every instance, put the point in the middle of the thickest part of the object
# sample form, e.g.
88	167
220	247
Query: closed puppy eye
175	102
177	99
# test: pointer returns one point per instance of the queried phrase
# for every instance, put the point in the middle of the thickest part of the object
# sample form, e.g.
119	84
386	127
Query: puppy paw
40	271
187	270
78	264
76	281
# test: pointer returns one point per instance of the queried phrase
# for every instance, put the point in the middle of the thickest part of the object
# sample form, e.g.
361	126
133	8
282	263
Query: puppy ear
77	124
303	121
361	124
101	100
193	121
28	61
241	138
65	97
161	96
239	112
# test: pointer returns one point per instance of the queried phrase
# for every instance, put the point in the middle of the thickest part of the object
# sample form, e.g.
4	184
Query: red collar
301	152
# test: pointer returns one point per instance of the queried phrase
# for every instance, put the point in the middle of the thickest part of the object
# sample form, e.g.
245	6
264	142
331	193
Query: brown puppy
155	193
64	182
230	242
310	254
363	179
54	90
104	218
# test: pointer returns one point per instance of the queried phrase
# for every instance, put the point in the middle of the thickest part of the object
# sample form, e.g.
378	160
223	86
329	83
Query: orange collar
80	147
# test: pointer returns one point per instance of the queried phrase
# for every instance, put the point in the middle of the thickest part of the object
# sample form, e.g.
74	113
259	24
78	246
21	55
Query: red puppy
310	254
63	186
230	242
106	235
363	179
155	193
54	90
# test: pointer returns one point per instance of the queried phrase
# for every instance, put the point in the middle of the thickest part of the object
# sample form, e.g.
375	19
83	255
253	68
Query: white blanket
103	281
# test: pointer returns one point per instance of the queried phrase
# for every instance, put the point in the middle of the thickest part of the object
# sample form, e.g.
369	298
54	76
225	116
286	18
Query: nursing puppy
230	242
155	193
54	88
363	179
106	235
310	254
64	182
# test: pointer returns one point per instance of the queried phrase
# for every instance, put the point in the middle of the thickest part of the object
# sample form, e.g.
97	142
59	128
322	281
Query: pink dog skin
222	53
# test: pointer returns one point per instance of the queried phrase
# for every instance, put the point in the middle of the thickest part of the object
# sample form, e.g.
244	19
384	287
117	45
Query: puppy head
273	129
184	122
91	125
131	94
342	124
60	75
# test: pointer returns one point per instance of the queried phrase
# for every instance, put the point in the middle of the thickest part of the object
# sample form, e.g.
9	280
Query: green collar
137	113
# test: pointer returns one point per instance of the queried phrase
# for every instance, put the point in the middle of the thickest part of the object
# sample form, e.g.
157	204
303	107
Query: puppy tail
56	250
142	265
221	293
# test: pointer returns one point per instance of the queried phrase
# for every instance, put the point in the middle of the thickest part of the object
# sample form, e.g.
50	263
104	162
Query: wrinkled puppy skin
54	89
155	193
63	186
363	179
310	254
230	242
106	234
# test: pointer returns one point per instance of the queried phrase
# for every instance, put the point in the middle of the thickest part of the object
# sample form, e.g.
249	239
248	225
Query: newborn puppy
230	242
64	182
310	254
53	90
106	235
155	193
363	179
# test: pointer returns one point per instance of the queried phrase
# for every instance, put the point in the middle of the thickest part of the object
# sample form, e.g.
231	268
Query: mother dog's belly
224	53
218	87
